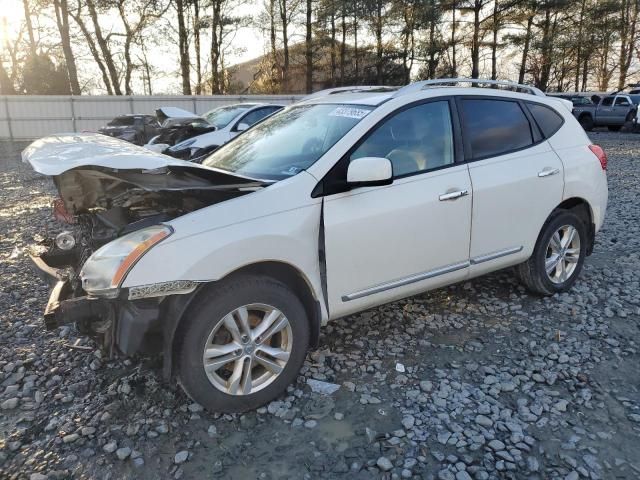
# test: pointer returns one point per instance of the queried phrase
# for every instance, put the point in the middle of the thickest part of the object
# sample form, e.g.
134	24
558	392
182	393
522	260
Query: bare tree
27	16
107	56
89	38
183	47
135	19
62	20
308	49
628	41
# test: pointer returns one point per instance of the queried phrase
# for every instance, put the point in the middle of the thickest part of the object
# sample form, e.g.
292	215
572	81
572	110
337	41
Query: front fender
210	243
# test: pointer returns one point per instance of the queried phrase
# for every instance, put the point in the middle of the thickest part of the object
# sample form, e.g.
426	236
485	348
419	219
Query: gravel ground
480	380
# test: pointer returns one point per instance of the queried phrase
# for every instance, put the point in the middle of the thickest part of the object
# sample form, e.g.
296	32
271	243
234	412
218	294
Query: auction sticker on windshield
349	112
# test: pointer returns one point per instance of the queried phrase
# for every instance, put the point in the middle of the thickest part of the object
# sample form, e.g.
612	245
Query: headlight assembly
104	271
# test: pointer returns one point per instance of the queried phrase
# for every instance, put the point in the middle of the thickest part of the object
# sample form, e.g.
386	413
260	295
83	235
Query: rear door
517	179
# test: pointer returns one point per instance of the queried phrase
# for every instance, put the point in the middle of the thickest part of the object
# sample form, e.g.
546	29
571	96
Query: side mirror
369	172
242	127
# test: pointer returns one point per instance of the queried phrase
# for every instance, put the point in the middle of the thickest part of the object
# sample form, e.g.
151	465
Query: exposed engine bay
98	205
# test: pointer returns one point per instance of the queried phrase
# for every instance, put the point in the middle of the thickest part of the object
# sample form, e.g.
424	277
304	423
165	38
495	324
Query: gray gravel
496	383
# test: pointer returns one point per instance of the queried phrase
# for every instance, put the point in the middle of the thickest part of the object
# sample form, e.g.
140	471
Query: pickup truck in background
613	111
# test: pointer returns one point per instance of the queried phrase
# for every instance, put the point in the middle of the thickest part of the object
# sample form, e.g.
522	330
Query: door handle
453	195
548	172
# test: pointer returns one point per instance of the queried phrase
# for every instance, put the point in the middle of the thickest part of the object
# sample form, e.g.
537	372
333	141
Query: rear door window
549	121
607	102
494	127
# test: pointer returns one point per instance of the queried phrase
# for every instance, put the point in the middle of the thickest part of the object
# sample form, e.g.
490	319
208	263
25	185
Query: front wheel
243	343
558	255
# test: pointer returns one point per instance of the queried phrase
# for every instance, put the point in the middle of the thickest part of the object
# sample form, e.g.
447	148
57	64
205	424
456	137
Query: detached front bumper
129	325
63	307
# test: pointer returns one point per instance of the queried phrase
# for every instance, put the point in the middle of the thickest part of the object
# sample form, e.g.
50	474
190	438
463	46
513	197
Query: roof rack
418	86
351	89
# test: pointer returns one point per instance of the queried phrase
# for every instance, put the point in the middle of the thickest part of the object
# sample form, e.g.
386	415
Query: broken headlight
105	270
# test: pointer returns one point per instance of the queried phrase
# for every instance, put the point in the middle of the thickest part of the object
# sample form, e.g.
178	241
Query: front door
387	242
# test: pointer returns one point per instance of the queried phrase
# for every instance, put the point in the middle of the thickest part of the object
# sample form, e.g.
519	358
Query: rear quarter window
548	120
495	127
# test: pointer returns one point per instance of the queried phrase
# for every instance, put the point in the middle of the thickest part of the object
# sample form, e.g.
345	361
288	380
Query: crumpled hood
56	154
91	169
163	113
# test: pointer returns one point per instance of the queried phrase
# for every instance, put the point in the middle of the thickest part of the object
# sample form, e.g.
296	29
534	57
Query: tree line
113	46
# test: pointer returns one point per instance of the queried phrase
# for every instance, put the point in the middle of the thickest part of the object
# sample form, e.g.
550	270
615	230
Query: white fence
25	117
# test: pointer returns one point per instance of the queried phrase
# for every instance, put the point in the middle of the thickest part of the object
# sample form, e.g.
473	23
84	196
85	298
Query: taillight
599	152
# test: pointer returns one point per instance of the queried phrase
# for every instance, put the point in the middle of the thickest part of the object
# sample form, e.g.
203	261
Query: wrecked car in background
177	125
176	130
228	121
137	129
140	129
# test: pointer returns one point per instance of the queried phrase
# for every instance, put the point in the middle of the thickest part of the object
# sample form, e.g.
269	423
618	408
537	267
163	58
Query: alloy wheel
563	254
247	349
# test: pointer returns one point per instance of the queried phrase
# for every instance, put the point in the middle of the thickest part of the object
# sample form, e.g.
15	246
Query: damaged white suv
347	200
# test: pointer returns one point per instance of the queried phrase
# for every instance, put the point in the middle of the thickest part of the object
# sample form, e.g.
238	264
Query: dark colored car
137	129
175	130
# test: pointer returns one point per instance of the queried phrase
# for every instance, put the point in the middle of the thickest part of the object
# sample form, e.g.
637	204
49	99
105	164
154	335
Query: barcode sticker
349	112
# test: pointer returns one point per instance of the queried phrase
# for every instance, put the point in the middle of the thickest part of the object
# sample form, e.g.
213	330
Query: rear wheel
558	255
243	343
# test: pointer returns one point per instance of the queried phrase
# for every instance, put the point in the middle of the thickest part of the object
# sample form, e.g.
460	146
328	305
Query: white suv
337	204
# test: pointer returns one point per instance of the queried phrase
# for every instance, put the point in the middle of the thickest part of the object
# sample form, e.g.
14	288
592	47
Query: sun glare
11	19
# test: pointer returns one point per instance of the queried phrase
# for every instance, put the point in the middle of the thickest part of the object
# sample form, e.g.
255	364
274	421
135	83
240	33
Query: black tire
207	310
614	128
586	121
627	127
533	274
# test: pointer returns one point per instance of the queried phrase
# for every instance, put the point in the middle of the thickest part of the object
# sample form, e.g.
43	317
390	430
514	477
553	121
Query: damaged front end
115	202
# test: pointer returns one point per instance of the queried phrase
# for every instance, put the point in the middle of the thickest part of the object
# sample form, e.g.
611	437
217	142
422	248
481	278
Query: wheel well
294	279
582	209
177	305
584	115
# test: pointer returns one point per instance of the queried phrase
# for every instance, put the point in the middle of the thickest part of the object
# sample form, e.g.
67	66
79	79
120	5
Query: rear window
495	127
549	121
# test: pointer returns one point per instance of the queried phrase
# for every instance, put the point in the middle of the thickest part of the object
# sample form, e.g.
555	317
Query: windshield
635	99
287	142
220	117
121	122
